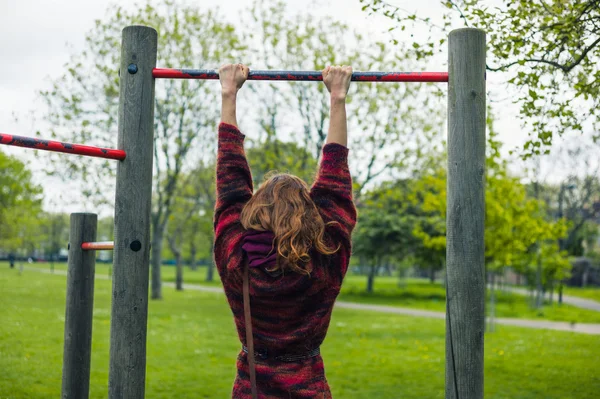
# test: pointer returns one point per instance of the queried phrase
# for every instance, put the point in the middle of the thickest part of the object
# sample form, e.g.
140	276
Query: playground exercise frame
129	313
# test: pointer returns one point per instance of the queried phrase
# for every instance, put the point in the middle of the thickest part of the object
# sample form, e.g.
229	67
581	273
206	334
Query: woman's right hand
337	80
232	77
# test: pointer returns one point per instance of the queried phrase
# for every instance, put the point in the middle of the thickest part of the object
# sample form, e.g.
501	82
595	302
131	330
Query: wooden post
465	287
79	308
129	313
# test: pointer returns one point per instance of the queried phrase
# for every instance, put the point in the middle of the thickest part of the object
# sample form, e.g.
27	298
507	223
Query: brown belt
249	338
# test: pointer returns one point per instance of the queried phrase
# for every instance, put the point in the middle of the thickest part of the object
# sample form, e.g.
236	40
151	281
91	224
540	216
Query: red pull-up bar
315	76
59	146
100	245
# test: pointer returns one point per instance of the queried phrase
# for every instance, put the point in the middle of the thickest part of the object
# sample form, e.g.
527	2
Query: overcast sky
38	36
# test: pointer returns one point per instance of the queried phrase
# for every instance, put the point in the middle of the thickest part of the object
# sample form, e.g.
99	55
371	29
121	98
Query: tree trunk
157	244
371	279
584	276
178	272
193	264
519	279
538	280
560	293
551	293
402	278
211	266
432	274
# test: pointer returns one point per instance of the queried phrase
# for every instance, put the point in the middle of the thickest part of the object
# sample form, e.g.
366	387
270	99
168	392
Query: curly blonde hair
283	206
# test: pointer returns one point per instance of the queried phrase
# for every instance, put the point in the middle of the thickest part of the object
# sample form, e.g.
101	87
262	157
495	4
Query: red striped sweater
291	312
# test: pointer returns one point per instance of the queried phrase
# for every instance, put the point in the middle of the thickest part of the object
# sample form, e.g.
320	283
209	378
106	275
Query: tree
577	199
55	227
557	267
515	223
20	206
429	197
194	196
82	104
384	235
275	155
548	51
381	238
573	199
391	125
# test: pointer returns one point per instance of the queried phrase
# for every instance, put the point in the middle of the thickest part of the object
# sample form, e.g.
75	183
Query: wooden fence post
79	308
129	313
465	283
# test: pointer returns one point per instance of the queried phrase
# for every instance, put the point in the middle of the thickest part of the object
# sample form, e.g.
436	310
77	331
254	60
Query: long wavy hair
283	206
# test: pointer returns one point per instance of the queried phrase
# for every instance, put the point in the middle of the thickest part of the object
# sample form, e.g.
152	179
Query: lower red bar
109	245
58	146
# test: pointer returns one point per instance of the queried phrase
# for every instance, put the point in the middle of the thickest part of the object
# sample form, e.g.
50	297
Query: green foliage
547	50
83	104
20	205
514	222
392	126
55	229
190	227
592	293
283	157
579	207
395	230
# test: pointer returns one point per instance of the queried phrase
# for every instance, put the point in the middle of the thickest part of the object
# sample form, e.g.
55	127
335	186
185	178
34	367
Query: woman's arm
234	181
332	190
337	80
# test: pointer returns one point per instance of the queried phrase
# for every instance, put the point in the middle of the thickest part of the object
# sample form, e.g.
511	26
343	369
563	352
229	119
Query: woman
282	252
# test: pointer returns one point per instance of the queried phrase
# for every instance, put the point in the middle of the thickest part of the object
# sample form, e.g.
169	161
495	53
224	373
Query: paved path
569	300
539	324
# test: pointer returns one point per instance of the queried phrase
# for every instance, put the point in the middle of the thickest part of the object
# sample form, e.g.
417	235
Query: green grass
587	293
423	295
418	293
192	347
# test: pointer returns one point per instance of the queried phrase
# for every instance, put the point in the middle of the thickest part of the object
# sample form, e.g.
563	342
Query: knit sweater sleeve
234	189
332	194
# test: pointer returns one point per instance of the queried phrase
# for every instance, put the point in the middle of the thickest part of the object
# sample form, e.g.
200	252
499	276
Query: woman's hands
232	77
337	80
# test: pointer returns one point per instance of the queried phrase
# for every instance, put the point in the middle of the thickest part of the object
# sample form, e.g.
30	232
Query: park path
569	300
583	328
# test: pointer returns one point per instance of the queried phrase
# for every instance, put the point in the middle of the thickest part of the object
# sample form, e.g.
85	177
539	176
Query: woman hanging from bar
282	252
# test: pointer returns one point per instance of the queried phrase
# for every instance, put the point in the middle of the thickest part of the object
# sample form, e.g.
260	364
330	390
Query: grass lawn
418	293
587	293
424	295
192	347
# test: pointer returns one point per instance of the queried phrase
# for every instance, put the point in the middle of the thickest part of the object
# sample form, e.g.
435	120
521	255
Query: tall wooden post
79	308
465	284
129	314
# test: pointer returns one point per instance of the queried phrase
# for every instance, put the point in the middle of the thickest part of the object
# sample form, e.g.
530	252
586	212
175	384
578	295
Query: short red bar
313	76
98	245
58	146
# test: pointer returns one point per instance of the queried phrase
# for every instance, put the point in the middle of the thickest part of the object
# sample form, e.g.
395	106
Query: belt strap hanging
249	338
